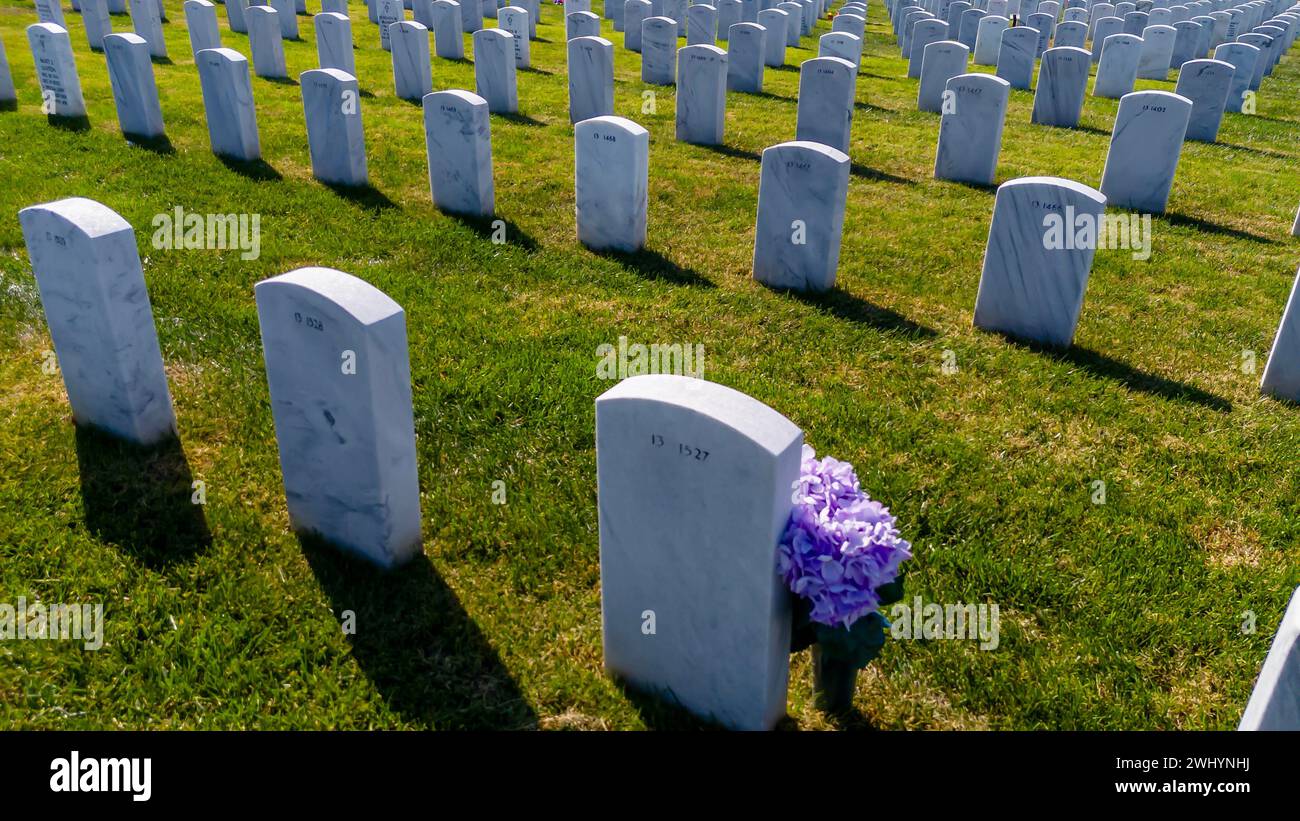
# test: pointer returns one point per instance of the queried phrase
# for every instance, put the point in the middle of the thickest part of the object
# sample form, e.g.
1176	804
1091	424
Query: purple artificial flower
839	545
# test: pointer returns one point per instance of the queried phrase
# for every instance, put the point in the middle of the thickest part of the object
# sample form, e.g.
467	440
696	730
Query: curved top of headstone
335	74
701	48
978	78
486	34
87	217
410	25
1150	95
1058	51
591	38
1077	188
198	3
1234	46
1160	28
648	3
950	44
227	54
128	37
467	97
263	10
362	301
48	28
658	21
1205	62
994	19
330	15
817	152
735	410
771	11
827	62
745	27
611	121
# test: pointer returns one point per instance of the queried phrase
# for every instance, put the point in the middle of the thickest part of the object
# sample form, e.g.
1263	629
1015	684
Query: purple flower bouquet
842	556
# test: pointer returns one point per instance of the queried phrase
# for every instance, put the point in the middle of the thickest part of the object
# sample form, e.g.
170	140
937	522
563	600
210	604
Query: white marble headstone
448	43
1157	52
826	90
228	103
1242	56
1117	71
8	95
1103	29
235	15
56	70
923	34
334	42
970	132
659	51
286	16
802	192
201	20
135	93
1032	287
389	12
94	16
635	12
1016	56
412	72
581	24
471	17
969	26
494	70
693	483
591	77
332	104
745	52
266	42
942	61
145	19
49	11
728	16
774	21
611	179
701	94
988	39
840	44
514	19
1206	84
340	385
1144	147
1062	86
97	307
458	141
701	25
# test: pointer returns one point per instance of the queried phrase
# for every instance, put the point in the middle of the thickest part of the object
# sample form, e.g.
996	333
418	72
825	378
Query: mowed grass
1127	614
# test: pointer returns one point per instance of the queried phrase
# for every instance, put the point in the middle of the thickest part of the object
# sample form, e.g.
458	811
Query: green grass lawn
1122	615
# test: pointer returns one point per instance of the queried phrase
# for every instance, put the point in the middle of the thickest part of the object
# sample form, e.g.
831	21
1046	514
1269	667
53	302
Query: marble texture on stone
201	20
1030	288
1045	24
925	33
494	70
671	525
458	141
146	23
265	42
1242	57
728	16
1117	71
1206	84
745	50
334	42
988	39
390	12
412	71
1186	36
1275	701
1016	56
591	78
635	12
659	51
970	132
968	30
56	70
228	103
448	44
701	94
135	93
581	24
1144	147
336	142
1264	44
97	308
955	11
346	436
774	41
851	23
422	13
94	16
611	180
1071	34
840	44
914	16
943	61
534	9
827	86
287	17
49	11
1062	86
471	17
514	19
1157	52
803	188
675	10
701	25
235	15
1135	22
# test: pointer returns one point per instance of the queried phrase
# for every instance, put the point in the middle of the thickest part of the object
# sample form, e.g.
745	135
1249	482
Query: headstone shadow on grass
258	170
417	645
141	498
654	265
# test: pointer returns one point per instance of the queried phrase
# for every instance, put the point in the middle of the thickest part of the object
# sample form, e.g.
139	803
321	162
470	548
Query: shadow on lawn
659	712
1099	364
486	228
1175	218
140	498
417	645
256	170
856	309
366	196
654	265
